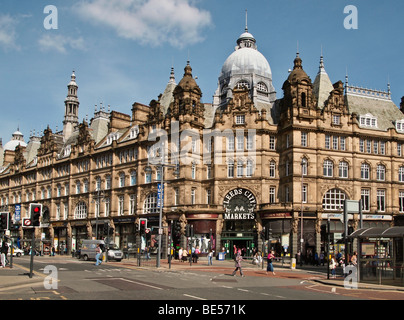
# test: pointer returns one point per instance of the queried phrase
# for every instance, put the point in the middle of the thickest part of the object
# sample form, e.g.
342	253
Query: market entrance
246	245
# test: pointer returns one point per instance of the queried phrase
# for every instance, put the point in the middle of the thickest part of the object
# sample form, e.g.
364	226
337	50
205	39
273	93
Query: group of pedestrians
238	258
340	261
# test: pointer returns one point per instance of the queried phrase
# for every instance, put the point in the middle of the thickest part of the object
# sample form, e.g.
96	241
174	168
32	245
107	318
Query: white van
88	251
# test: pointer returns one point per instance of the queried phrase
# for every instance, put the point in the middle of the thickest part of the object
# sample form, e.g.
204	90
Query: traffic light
262	234
189	230
268	234
142	225
4	221
35	209
177	227
105	229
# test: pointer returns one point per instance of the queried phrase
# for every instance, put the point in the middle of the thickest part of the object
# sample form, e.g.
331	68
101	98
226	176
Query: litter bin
293	263
221	256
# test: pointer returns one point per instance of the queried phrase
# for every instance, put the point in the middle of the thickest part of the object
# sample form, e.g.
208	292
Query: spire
246	25
172	77
322	85
297	62
71	119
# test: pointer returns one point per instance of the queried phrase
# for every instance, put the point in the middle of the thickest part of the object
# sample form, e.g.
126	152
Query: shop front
204	228
79	233
125	232
59	234
280	225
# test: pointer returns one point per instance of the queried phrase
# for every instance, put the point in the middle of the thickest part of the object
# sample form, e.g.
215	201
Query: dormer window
399	125
368	120
112	136
134	132
67	150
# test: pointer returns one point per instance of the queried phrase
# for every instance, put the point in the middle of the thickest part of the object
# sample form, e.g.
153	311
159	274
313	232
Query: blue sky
122	50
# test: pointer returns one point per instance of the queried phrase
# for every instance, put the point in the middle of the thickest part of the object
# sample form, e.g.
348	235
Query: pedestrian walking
322	258
270	259
210	257
238	260
333	267
3	251
97	255
354	259
180	254
184	255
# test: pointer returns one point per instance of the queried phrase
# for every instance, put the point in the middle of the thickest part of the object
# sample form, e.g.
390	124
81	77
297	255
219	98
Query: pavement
18	276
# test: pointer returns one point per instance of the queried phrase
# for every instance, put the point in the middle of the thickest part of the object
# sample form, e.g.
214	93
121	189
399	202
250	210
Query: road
75	279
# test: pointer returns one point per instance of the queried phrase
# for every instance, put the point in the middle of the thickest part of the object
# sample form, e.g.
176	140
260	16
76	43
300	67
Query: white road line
198	298
142	284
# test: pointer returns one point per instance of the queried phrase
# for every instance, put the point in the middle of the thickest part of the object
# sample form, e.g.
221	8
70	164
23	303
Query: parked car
17	252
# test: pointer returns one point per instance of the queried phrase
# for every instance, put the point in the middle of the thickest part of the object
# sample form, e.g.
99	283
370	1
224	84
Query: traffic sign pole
31	265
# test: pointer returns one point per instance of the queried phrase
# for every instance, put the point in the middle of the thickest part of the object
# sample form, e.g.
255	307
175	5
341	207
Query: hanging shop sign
239	204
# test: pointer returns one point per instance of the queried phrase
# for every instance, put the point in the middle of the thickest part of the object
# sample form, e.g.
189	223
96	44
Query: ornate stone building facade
244	162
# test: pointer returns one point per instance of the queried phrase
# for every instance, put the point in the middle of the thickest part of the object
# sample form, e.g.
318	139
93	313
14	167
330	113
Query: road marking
198	298
142	284
243	290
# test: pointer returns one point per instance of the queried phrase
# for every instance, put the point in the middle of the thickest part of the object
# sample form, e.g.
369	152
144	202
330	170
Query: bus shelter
380	255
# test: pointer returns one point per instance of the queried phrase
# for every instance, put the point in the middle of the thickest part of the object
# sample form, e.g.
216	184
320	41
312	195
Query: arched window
334	200
328	168
272	168
81	211
343	169
365	171
303	99
150	204
242	84
262	87
380	172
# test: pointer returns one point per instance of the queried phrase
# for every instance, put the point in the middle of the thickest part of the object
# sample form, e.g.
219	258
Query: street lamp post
161	204
99	195
301	215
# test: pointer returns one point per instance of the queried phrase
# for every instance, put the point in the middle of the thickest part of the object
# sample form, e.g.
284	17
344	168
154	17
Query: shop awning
392	232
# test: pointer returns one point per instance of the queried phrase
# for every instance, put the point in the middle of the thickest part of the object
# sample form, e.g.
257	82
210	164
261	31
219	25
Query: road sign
26	222
160	195
17	212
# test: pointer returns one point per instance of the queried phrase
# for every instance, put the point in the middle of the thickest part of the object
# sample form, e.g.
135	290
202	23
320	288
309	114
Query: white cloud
151	22
7	32
60	43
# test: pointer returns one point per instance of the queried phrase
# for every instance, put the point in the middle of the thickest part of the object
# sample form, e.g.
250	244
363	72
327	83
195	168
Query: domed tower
187	95
71	119
246	67
298	100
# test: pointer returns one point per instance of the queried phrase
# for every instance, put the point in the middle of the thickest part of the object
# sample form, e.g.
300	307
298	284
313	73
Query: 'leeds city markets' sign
239	204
